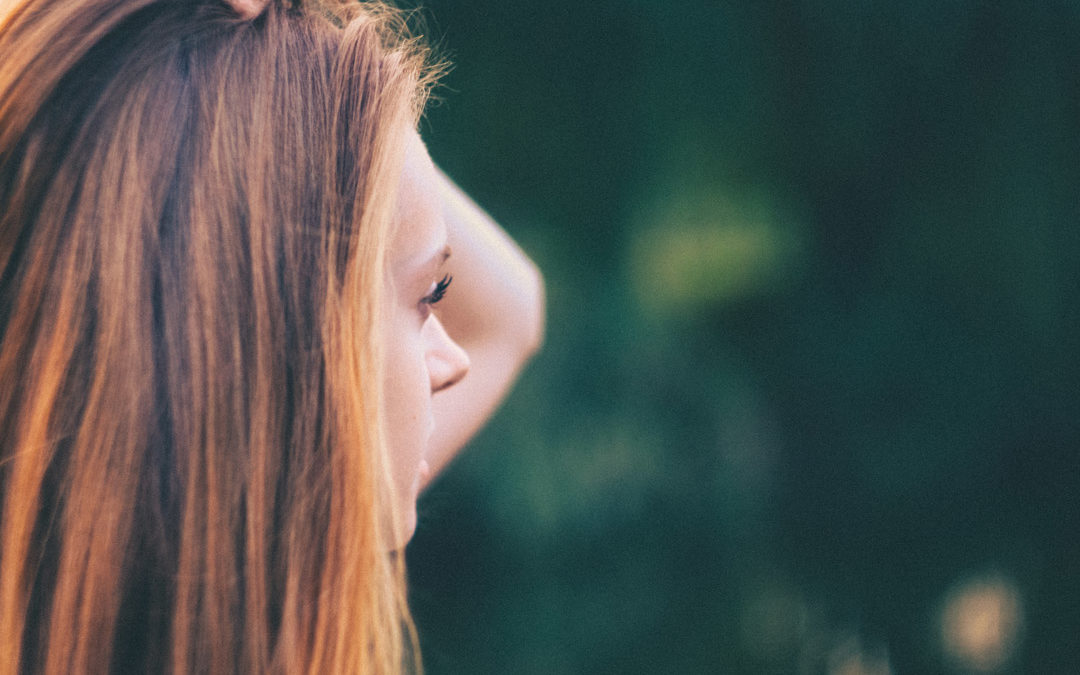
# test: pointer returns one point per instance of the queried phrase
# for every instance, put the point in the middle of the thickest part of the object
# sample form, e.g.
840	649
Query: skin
494	313
420	358
448	364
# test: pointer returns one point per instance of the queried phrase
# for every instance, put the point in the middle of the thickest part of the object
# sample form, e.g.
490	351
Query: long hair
193	217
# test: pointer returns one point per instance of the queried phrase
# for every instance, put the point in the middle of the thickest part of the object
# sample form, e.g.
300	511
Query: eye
436	294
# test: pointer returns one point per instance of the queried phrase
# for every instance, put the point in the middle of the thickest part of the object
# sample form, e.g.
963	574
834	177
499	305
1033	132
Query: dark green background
813	336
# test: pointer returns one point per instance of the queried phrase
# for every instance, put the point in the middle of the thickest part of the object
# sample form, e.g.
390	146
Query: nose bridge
448	362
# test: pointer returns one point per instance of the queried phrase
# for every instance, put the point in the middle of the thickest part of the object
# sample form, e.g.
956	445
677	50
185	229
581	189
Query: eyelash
440	290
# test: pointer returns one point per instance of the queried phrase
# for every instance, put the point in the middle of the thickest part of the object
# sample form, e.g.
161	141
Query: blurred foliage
809	400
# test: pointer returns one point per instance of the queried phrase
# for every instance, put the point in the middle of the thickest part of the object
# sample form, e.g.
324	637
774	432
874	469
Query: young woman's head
205	283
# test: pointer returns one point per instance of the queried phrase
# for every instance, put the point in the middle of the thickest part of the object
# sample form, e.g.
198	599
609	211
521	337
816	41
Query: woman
223	376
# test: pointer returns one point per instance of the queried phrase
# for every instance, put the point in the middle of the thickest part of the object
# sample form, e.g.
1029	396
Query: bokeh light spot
981	618
703	248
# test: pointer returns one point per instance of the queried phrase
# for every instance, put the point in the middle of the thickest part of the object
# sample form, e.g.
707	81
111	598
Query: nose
447	362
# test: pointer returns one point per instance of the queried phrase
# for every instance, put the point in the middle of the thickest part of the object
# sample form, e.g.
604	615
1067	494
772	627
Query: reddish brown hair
193	213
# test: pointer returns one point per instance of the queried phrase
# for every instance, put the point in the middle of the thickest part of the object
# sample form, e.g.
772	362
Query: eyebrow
437	260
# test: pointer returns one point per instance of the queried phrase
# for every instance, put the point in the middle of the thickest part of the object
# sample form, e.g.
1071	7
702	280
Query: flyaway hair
193	217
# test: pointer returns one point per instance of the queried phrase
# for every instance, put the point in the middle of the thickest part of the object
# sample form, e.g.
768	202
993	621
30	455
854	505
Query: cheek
407	389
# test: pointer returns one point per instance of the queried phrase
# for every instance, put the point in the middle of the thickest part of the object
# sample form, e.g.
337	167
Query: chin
406	527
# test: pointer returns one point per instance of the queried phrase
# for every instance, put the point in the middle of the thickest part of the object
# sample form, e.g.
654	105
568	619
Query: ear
248	9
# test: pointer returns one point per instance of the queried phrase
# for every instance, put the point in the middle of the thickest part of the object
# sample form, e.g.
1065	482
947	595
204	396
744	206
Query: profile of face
420	358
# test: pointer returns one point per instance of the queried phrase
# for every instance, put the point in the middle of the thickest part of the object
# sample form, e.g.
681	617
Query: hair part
193	218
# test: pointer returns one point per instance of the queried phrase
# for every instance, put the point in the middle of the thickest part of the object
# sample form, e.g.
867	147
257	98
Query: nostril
448	382
457	363
448	362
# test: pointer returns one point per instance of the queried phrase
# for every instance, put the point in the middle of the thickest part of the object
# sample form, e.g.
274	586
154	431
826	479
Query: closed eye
436	294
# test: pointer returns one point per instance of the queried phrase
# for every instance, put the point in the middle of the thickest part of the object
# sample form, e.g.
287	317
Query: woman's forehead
419	229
